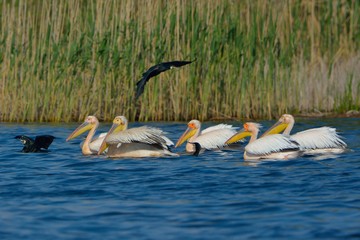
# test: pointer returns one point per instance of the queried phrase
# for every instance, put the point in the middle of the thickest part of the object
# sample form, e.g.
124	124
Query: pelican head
284	121
120	123
249	129
89	123
193	128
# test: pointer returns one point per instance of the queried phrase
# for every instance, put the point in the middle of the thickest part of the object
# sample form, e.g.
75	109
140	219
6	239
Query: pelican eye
191	125
246	127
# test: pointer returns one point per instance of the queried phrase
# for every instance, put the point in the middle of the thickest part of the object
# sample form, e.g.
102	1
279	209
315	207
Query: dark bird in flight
154	71
31	145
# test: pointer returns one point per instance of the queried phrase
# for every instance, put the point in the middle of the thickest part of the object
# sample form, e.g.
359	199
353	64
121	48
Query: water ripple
65	195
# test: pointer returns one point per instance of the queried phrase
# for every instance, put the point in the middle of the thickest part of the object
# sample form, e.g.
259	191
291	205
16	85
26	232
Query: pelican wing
217	127
147	135
215	138
96	143
168	141
102	135
319	138
271	144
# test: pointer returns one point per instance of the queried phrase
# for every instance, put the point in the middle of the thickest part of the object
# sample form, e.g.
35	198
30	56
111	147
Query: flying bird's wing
154	71
169	65
43	141
141	84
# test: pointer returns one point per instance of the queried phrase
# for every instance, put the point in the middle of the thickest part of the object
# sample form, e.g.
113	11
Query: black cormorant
154	71
31	145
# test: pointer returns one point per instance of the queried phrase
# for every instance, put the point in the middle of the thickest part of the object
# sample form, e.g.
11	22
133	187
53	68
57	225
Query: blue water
64	195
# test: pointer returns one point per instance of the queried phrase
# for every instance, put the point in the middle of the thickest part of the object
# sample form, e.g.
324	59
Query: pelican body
90	146
311	141
135	142
210	138
275	146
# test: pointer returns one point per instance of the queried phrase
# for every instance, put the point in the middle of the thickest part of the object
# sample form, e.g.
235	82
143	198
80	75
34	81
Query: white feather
319	138
147	135
215	138
96	143
102	135
217	127
168	141
271	144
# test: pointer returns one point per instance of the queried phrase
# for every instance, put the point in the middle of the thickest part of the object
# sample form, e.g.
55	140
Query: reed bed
63	60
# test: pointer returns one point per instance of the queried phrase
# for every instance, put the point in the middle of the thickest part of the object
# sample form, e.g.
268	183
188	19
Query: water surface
64	195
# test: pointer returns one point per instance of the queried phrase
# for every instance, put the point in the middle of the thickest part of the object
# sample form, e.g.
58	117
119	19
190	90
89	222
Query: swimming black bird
31	145
154	71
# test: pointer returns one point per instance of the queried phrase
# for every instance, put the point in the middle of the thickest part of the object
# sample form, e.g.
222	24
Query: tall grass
62	60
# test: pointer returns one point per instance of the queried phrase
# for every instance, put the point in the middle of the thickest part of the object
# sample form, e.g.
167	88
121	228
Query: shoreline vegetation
63	60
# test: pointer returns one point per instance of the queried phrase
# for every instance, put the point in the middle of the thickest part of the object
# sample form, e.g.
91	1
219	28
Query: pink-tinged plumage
210	138
275	146
315	140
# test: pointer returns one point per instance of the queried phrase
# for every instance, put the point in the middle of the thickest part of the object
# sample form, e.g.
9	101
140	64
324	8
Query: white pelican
276	146
210	138
312	141
135	142
89	146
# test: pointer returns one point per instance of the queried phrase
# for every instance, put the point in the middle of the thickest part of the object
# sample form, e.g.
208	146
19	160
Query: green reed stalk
63	60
